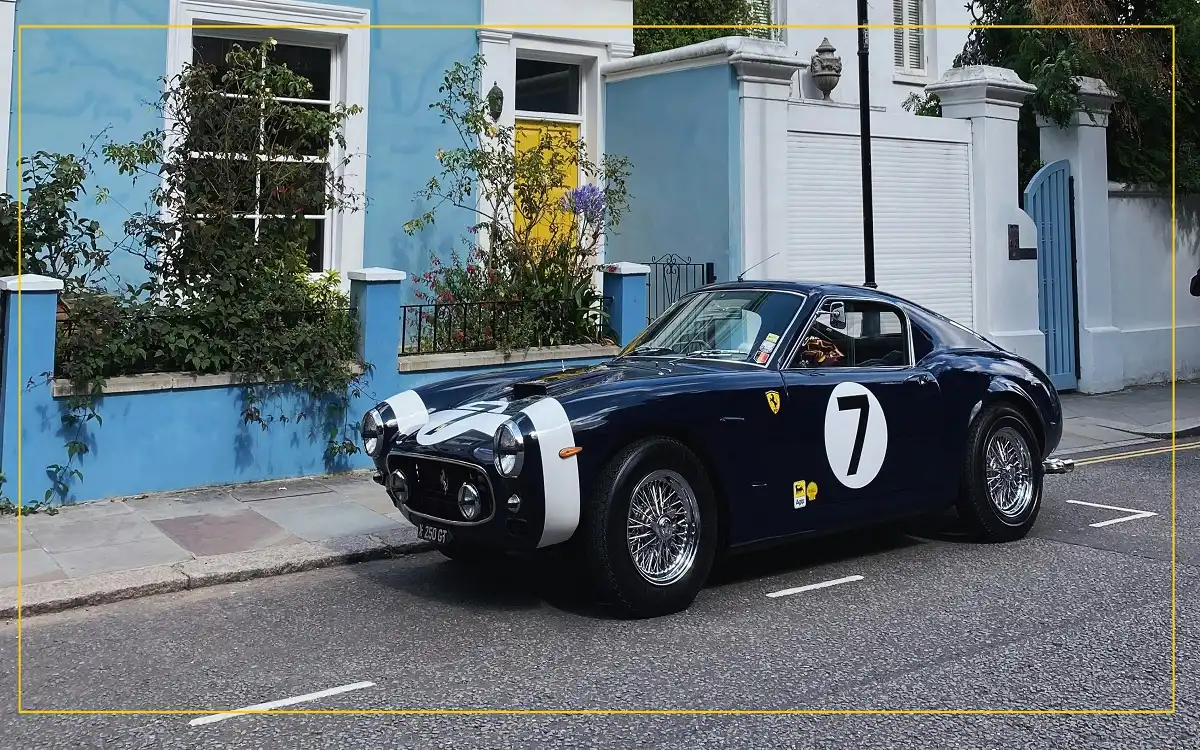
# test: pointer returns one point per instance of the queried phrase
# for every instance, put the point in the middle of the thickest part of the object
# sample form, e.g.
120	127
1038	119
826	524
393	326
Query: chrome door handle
920	378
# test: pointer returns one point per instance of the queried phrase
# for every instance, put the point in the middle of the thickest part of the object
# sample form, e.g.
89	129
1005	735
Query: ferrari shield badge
773	401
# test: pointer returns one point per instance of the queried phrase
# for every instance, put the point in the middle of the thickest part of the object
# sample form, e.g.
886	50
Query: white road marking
1136	513
812	586
280	703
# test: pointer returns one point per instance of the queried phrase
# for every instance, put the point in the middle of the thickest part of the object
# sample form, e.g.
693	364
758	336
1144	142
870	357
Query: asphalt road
1074	617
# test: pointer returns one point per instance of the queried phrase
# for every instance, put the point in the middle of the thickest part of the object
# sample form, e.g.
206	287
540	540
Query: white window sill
911	78
550	117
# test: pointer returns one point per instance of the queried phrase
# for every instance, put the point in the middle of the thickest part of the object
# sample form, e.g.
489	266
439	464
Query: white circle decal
855	435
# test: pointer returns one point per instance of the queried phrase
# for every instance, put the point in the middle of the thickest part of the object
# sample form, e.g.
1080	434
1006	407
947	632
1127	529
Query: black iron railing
672	276
509	324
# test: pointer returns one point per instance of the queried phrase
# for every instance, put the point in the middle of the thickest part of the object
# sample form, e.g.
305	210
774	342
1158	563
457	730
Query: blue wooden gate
1049	200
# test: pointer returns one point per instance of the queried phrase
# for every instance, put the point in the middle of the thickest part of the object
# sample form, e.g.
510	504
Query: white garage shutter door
922	217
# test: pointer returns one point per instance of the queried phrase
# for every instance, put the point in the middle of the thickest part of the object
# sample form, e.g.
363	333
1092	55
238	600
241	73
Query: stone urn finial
825	68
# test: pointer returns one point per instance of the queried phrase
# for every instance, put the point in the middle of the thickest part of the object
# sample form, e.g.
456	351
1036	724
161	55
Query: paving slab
37	566
328	521
161	507
126	556
278	490
8	536
224	533
70	534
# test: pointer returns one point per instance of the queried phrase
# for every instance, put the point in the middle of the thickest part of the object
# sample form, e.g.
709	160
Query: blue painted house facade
77	88
71	86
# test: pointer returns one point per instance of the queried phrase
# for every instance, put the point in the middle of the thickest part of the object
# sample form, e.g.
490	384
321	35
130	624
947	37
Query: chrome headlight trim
373	428
470	503
508	445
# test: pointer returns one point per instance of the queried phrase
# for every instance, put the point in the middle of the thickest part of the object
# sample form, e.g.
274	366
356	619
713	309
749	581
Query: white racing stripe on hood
477	416
410	411
560	476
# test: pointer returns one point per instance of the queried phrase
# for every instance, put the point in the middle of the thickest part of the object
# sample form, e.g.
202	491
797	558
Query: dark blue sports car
748	413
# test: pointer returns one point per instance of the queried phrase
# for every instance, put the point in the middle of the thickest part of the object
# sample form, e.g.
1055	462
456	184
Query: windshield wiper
716	353
646	350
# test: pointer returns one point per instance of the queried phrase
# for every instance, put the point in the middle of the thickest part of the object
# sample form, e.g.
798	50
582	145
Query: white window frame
774	16
344	230
588	70
502	48
905	70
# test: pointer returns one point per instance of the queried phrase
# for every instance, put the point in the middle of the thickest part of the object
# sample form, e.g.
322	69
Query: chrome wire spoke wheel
1008	470
663	527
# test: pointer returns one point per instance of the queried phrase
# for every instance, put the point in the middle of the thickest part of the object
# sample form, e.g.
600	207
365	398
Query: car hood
456	417
568	382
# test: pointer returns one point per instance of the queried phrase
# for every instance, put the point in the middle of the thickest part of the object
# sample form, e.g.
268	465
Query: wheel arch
1006	392
698	448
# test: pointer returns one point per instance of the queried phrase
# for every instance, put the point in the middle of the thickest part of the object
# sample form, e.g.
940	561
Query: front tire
650	529
1001	493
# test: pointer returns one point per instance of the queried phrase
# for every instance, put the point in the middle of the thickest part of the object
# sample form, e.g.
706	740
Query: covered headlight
372	433
469	502
508	445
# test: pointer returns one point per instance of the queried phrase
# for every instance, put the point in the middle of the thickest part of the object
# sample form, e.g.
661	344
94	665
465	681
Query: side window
922	343
855	333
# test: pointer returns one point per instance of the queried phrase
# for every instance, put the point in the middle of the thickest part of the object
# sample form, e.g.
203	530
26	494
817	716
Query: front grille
426	495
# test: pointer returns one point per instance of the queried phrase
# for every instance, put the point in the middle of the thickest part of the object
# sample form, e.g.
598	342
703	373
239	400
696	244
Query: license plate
433	534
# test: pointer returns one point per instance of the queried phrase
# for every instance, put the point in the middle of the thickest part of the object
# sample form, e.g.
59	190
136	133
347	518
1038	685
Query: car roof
807	287
948	330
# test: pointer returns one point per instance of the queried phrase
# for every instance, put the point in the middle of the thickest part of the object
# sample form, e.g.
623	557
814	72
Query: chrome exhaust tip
1058	466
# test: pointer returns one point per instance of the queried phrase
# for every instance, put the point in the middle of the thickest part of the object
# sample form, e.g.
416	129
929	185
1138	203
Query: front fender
407	411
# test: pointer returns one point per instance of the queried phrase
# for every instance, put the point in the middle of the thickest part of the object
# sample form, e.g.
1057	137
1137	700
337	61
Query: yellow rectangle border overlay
600	711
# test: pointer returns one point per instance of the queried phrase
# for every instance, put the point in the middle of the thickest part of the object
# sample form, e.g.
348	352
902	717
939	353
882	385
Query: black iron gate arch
672	276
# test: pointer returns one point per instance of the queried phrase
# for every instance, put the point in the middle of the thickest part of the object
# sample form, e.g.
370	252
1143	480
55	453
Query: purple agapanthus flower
586	201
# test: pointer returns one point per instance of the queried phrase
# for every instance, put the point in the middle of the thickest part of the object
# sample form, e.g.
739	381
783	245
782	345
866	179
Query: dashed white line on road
1136	513
280	703
812	586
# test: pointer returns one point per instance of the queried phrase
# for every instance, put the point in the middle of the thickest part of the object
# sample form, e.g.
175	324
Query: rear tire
654	559
1001	490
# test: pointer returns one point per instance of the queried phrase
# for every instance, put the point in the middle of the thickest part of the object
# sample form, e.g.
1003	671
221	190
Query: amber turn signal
568	452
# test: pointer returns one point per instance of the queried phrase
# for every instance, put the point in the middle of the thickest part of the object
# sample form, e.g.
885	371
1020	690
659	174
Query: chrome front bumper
1058	466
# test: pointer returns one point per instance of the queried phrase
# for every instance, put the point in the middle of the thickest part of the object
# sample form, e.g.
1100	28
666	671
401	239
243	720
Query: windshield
735	325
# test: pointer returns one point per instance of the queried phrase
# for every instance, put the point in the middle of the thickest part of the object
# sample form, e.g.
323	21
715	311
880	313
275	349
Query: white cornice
766	58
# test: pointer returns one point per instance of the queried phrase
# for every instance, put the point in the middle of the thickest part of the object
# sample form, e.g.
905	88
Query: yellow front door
553	220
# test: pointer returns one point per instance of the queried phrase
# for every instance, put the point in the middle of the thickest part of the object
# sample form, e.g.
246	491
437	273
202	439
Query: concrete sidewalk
109	550
1129	417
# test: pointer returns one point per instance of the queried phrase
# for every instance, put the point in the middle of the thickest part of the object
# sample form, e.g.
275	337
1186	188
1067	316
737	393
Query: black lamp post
864	117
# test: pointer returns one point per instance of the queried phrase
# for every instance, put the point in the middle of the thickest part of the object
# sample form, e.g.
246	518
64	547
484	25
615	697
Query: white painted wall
1140	238
922	204
888	89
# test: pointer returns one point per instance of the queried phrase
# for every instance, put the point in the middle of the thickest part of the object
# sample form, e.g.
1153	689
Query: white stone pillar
1005	291
764	87
499	69
8	23
1084	143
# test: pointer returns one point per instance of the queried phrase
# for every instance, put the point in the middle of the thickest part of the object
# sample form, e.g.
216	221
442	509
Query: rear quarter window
922	341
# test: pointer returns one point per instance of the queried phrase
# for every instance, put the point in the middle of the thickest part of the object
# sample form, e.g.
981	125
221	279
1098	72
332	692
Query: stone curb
57	596
1184	428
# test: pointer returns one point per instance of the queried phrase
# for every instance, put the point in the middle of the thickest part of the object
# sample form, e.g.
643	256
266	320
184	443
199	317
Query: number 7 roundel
856	435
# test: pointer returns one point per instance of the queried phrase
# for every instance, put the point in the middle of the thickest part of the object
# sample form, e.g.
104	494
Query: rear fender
1006	391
